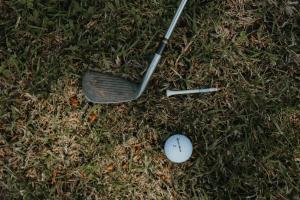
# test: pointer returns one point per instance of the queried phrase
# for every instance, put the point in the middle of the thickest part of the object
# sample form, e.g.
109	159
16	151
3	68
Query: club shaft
161	48
208	90
175	19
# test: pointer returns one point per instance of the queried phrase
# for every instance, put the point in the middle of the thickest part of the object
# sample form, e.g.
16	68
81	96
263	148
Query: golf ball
178	148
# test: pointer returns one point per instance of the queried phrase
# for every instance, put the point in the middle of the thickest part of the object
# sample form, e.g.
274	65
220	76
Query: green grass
246	137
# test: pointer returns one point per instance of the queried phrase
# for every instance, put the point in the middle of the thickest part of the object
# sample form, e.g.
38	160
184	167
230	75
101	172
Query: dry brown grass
55	145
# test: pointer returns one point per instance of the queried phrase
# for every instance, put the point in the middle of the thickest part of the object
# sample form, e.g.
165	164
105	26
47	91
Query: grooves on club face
105	88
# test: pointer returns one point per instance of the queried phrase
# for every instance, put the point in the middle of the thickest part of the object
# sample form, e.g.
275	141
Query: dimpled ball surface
178	148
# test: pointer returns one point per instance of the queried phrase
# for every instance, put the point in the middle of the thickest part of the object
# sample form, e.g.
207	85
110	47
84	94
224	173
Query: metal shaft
175	19
161	48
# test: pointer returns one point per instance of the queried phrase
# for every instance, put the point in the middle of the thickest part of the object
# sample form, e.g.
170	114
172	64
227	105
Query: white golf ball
178	148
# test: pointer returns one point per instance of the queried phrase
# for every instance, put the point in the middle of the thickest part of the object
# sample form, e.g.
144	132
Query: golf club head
104	88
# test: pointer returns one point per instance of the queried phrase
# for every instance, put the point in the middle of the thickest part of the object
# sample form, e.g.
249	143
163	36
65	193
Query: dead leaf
91	24
74	102
2	153
109	168
137	158
82	174
31	173
125	165
162	158
137	148
92	117
165	177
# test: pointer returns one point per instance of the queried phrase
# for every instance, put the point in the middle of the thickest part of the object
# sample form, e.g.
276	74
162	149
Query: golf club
178	92
104	88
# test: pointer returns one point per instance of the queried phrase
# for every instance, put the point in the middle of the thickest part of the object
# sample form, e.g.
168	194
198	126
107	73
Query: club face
104	88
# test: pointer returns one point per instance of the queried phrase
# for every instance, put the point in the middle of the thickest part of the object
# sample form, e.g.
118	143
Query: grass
55	145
